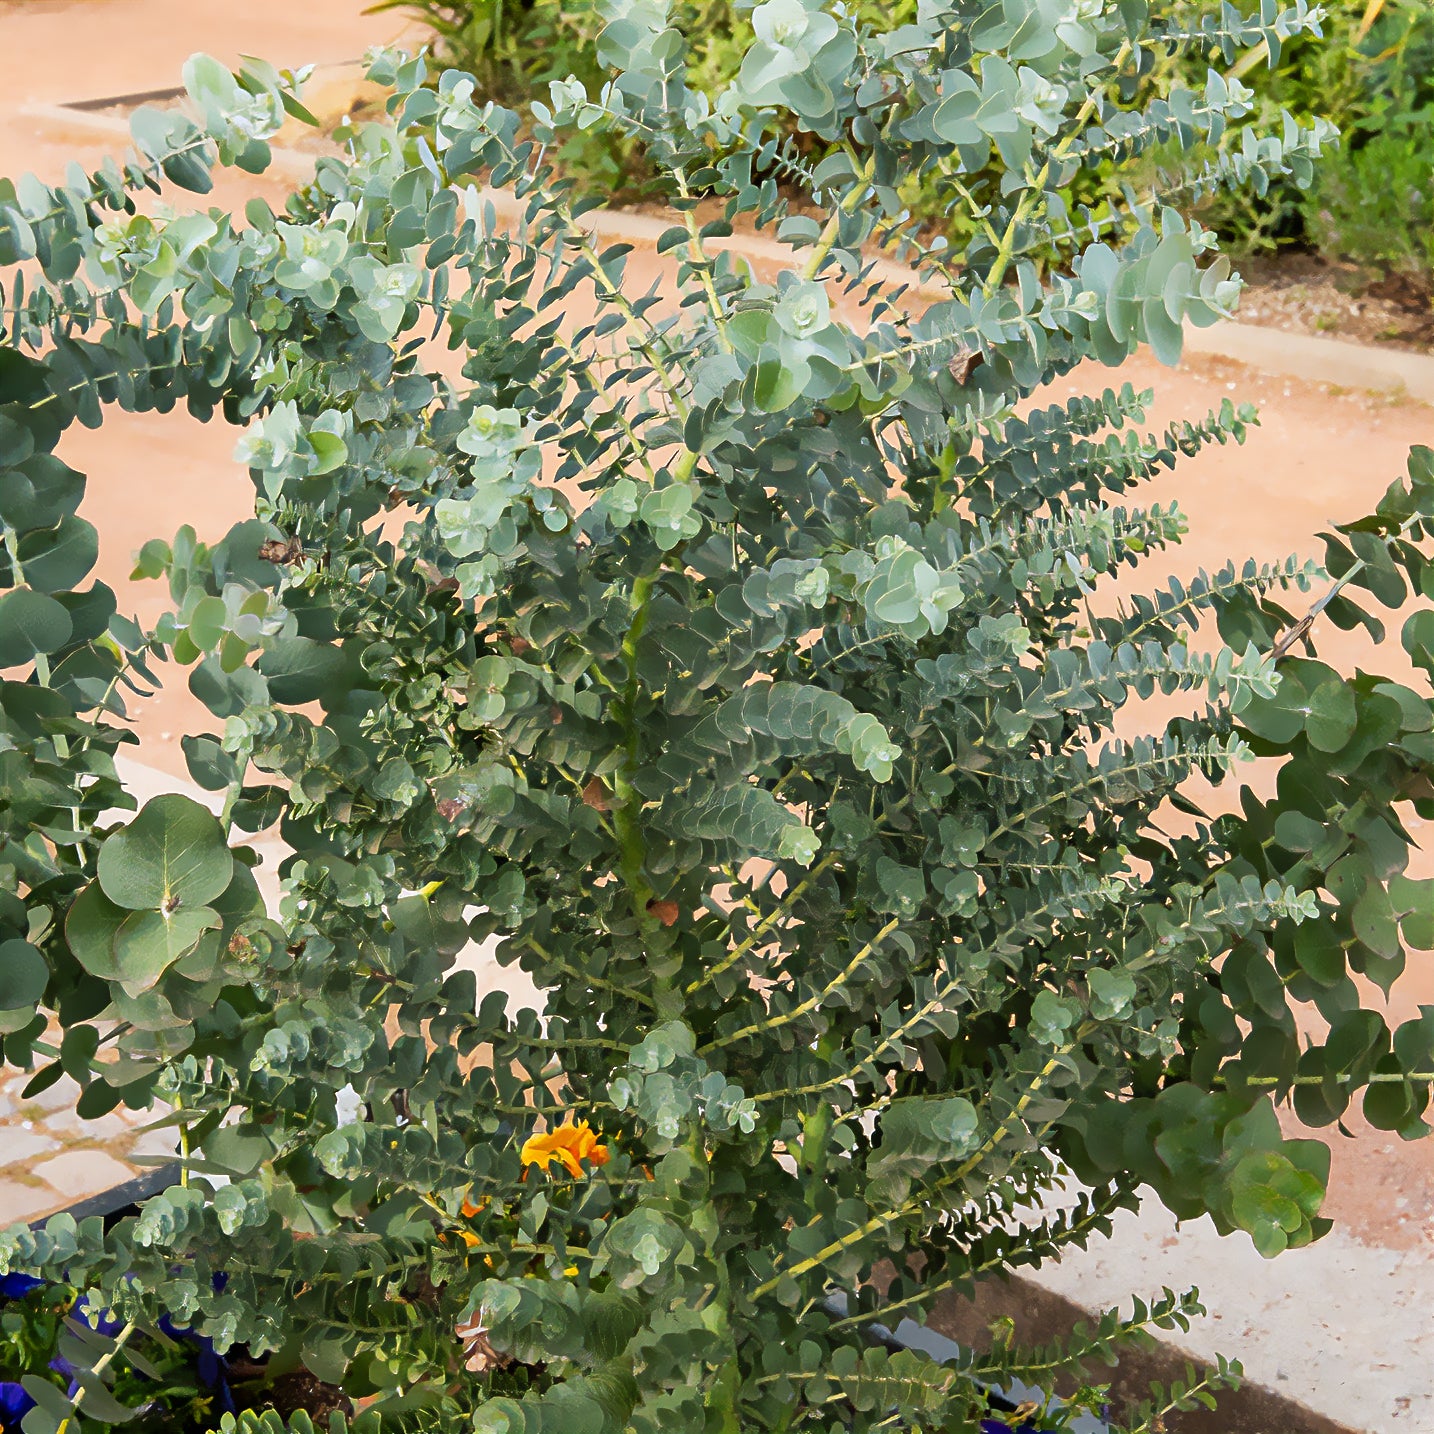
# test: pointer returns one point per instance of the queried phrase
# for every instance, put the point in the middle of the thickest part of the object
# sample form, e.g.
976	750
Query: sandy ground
1320	455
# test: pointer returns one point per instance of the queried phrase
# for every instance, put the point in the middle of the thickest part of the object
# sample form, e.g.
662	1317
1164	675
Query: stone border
1318	360
1042	1316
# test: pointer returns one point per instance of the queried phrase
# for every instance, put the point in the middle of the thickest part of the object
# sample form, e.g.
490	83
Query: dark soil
285	1393
1302	293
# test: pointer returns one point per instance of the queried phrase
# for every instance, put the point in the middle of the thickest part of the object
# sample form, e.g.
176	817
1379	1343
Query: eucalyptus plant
735	657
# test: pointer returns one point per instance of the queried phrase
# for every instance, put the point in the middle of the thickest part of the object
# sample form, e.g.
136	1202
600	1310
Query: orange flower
569	1144
468	1209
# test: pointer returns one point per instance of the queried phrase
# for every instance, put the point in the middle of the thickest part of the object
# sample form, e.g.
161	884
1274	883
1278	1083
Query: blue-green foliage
741	666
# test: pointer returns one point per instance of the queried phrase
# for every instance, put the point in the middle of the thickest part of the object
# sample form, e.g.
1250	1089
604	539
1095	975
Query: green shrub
734	665
1371	79
1376	204
514	49
511	47
1374	200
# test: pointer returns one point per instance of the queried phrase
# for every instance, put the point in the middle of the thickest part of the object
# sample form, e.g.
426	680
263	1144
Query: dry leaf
964	364
478	1354
286	551
666	912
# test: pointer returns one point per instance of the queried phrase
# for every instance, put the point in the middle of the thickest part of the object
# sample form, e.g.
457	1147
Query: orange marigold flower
570	1145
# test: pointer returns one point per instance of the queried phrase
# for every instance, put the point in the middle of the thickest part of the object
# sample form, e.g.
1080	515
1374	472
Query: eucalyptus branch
812	1003
627	992
97	1371
785	905
1299	630
831	230
1033	190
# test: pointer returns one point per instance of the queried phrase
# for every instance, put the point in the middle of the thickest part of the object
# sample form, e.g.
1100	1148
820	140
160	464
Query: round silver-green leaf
172	855
23	975
31	622
149	942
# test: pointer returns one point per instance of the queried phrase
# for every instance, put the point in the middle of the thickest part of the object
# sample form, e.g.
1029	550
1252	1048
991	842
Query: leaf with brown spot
965	364
283	551
666	912
595	795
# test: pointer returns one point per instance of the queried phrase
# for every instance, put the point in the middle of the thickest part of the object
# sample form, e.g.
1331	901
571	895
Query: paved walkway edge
1318	360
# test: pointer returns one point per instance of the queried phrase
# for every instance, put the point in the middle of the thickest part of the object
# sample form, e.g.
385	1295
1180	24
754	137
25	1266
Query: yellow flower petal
570	1145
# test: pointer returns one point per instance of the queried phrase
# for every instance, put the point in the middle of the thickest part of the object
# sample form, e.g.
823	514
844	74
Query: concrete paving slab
21	1146
1343	1326
23	1202
77	1173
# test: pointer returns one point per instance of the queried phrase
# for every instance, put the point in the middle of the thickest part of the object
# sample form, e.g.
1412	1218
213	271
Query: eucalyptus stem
831	230
812	1003
627	817
784	906
100	1365
1034	190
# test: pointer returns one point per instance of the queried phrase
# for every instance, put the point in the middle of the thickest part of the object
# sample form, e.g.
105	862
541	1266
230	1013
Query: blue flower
80	1311
208	1364
15	1403
16	1287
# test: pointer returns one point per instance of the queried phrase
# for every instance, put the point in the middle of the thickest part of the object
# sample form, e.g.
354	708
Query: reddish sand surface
1319	455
